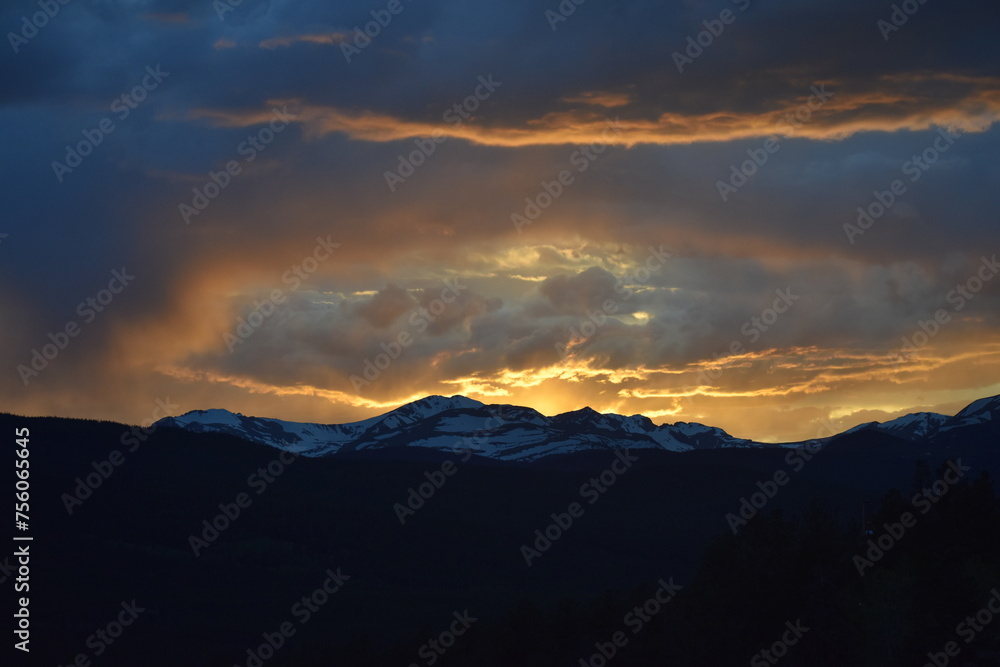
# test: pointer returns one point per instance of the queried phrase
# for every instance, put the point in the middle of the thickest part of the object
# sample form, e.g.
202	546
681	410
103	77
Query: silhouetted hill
461	550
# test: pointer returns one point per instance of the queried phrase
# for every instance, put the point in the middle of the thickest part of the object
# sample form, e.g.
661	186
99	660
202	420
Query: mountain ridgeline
515	433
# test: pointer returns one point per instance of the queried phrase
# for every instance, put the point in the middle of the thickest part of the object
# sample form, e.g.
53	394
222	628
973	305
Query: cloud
386	306
576	294
608	100
331	39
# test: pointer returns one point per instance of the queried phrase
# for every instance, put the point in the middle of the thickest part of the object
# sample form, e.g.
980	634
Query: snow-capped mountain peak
433	404
984	408
916	425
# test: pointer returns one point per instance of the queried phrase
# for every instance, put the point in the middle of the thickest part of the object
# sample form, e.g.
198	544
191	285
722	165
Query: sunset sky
323	234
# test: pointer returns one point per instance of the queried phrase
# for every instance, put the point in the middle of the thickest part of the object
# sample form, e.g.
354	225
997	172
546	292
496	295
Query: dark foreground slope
665	515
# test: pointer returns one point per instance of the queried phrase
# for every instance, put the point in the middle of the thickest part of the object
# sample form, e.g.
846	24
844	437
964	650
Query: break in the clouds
756	215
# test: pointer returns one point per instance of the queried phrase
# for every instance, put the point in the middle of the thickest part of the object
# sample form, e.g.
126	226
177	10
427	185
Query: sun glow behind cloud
760	393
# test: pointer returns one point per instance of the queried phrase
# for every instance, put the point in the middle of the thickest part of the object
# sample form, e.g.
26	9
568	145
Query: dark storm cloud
575	295
386	306
431	53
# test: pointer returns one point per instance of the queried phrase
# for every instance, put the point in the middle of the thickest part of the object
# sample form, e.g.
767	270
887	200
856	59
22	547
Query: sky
774	217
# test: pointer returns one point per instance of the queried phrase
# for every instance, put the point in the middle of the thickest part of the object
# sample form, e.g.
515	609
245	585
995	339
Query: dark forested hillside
639	563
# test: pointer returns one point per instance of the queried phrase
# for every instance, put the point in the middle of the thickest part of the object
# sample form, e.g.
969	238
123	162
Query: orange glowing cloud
827	113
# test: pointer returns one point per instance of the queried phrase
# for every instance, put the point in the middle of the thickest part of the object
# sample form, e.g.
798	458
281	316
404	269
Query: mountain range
694	505
515	433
